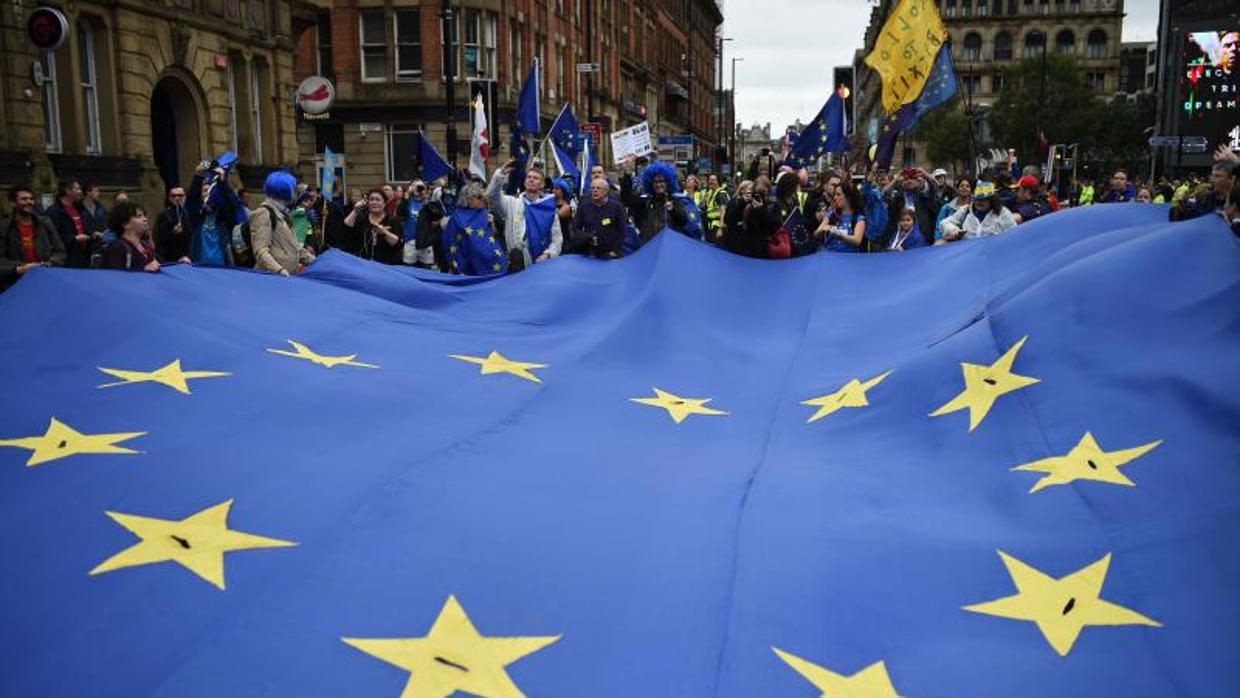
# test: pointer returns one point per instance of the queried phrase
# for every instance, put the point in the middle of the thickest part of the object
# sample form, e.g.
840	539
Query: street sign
676	140
1175	141
47	28
587	68
1194	148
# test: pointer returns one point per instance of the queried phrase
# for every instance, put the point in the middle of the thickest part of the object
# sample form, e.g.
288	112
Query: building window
408	27
966	7
983	8
540	52
949	8
323	38
90	91
559	76
51	105
972	47
1003	46
256	112
374	47
399	149
1074	6
996	81
231	77
1097	81
478	44
1065	42
517	71
1034	43
1097	44
972	83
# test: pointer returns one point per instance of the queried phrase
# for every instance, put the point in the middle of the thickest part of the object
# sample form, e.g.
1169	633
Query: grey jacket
275	248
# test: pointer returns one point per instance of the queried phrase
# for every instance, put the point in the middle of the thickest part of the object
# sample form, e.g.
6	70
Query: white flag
480	146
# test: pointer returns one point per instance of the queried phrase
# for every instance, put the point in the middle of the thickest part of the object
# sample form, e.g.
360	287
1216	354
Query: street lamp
1037	122
732	146
719	105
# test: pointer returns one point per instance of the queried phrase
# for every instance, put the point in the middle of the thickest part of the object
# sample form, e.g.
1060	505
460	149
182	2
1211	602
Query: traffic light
844	79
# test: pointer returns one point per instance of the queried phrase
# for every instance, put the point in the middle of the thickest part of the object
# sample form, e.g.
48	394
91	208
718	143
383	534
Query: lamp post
719	149
449	54
732	147
1037	122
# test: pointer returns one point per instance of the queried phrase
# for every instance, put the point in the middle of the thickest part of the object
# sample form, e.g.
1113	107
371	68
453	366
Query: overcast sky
790	46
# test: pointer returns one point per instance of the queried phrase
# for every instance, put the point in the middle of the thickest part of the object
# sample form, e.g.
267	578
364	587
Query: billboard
1209	84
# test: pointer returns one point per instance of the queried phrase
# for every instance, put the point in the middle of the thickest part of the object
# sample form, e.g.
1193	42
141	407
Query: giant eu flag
1002	467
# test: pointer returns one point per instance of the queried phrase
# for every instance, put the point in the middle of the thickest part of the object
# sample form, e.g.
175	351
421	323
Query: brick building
656	62
141	90
988	35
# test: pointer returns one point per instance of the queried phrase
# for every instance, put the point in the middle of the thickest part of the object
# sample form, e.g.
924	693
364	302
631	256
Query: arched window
1065	42
1097	45
972	47
1003	46
1034	43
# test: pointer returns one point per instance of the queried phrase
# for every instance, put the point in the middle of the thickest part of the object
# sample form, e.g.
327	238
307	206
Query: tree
1065	109
1120	134
946	134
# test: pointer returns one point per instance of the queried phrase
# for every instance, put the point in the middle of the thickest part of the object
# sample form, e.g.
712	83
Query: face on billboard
1210	88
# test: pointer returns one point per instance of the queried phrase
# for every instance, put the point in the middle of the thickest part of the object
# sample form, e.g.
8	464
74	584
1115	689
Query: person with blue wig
562	189
276	248
658	206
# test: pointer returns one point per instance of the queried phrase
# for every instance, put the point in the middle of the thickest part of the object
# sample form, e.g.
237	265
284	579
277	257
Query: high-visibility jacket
1087	195
712	208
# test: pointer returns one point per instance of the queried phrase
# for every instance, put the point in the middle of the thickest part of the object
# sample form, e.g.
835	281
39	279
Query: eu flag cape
682	473
471	245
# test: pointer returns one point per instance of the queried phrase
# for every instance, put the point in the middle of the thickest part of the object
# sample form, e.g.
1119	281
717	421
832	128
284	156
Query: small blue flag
588	162
527	115
471	244
329	173
520	151
430	163
566	132
824	134
566	163
539	217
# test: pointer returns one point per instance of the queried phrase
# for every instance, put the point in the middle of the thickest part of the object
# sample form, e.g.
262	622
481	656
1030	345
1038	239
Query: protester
658	207
410	221
1144	195
28	239
173	226
1212	200
964	194
714	203
96	212
912	190
907	236
735	236
985	216
1231	209
600	222
562	189
211	217
371	224
1030	202
131	251
70	222
943	190
1121	190
691	189
529	239
271	233
845	228
822	198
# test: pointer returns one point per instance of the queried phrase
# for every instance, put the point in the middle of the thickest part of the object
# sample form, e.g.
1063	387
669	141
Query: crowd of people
774	212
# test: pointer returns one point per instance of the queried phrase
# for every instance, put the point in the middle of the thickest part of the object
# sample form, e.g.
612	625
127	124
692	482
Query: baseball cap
1028	181
939	173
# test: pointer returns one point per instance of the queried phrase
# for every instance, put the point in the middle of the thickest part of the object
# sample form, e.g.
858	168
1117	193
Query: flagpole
542	146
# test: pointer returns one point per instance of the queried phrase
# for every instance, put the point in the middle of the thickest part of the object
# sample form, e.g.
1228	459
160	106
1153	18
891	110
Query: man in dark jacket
27	240
174	226
71	223
912	190
658	207
1222	179
600	222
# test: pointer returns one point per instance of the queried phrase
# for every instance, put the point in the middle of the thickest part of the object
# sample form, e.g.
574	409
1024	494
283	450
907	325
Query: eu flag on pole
940	87
519	150
1001	467
539	219
430	163
329	173
527	114
566	163
823	134
566	132
471	244
588	163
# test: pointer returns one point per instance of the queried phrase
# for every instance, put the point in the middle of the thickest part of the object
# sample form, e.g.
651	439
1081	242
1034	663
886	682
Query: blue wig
660	169
566	185
280	185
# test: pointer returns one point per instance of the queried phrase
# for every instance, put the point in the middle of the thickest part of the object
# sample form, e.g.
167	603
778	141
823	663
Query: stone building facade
656	63
142	90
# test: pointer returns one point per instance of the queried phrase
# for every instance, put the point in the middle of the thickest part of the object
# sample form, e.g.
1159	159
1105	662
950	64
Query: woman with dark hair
562	190
130	251
964	192
790	199
375	229
844	231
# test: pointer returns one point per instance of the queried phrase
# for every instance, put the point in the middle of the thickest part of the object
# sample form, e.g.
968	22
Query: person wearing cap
943	190
1030	202
913	190
985	216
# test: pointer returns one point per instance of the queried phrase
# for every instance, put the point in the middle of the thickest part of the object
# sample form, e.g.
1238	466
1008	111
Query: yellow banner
904	52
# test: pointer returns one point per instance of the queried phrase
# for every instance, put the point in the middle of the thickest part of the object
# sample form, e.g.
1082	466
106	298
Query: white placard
632	141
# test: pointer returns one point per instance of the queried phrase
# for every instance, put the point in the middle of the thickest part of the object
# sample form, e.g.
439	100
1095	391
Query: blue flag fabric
527	115
430	163
539	217
566	163
471	244
823	134
789	490
566	132
328	184
940	87
588	161
520	151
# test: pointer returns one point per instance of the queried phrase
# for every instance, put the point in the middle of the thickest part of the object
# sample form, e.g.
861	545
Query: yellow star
197	542
304	352
496	362
678	407
985	384
870	682
1060	607
454	657
61	441
1086	461
851	395
495	267
170	375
